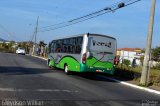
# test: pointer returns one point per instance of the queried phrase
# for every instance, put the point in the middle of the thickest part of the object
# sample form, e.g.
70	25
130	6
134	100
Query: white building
130	54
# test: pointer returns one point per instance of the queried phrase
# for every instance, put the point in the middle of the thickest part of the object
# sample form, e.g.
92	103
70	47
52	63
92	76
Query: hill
2	40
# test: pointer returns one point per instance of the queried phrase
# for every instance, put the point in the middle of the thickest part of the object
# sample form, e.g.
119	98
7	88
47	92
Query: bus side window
52	47
78	45
65	49
69	45
57	49
49	47
59	46
76	49
80	40
69	49
73	49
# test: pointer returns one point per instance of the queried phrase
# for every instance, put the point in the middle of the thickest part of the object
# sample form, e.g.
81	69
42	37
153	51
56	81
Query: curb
135	86
39	57
122	82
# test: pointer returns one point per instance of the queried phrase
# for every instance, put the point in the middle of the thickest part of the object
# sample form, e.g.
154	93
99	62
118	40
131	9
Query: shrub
157	66
126	62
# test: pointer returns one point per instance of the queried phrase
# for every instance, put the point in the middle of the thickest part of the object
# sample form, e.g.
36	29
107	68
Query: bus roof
80	35
102	36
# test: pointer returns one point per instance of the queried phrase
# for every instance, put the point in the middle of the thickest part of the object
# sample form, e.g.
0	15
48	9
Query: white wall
130	55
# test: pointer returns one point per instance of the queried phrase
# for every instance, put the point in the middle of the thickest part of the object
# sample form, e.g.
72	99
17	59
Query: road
25	78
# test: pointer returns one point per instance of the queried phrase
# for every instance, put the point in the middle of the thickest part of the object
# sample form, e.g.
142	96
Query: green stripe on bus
73	64
51	63
93	62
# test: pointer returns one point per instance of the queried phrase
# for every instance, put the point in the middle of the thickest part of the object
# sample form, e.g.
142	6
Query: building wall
129	55
118	53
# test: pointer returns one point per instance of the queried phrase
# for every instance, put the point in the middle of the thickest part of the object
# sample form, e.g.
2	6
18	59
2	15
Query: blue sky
129	25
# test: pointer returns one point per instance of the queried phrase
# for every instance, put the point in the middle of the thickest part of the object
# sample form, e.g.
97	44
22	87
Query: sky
129	25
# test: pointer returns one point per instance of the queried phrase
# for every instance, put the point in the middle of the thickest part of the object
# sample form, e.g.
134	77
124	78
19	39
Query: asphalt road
25	79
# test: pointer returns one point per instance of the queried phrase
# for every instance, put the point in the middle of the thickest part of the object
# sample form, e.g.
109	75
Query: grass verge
134	74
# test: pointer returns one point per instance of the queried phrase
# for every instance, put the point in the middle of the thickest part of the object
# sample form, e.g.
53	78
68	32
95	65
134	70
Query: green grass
7	50
135	74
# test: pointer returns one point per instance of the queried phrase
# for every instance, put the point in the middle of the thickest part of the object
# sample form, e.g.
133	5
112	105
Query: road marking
37	90
39	57
83	103
54	90
10	89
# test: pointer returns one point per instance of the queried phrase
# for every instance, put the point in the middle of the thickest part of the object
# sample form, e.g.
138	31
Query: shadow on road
92	76
126	75
22	70
119	75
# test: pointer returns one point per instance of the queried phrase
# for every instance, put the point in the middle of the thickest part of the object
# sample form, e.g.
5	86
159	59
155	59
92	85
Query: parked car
21	50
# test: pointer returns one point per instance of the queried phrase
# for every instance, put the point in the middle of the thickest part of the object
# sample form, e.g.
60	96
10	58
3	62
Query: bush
157	66
142	59
126	62
125	74
135	73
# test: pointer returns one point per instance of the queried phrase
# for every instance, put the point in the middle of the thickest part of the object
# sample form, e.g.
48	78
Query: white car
21	51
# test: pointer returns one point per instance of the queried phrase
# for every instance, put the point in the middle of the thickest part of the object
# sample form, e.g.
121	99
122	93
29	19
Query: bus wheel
66	69
48	62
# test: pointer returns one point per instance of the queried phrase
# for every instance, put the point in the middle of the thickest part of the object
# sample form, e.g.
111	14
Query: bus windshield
102	47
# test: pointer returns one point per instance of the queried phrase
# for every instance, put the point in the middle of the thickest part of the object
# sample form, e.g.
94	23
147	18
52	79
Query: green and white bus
83	53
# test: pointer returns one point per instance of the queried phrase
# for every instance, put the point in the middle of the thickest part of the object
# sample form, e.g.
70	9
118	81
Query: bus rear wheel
66	69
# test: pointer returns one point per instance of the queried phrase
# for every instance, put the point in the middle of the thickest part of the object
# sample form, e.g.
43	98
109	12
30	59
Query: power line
99	11
89	16
8	33
71	23
82	16
105	10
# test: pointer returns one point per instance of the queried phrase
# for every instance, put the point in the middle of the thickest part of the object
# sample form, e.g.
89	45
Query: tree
126	62
42	48
156	54
4	45
42	44
143	51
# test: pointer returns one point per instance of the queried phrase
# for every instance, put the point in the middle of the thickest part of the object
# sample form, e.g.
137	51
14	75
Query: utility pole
35	35
145	70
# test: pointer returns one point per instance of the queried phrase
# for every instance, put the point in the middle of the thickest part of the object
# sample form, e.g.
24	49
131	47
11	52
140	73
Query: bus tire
48	62
66	69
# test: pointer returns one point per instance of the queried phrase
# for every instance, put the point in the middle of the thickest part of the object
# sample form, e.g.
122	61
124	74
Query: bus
83	53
